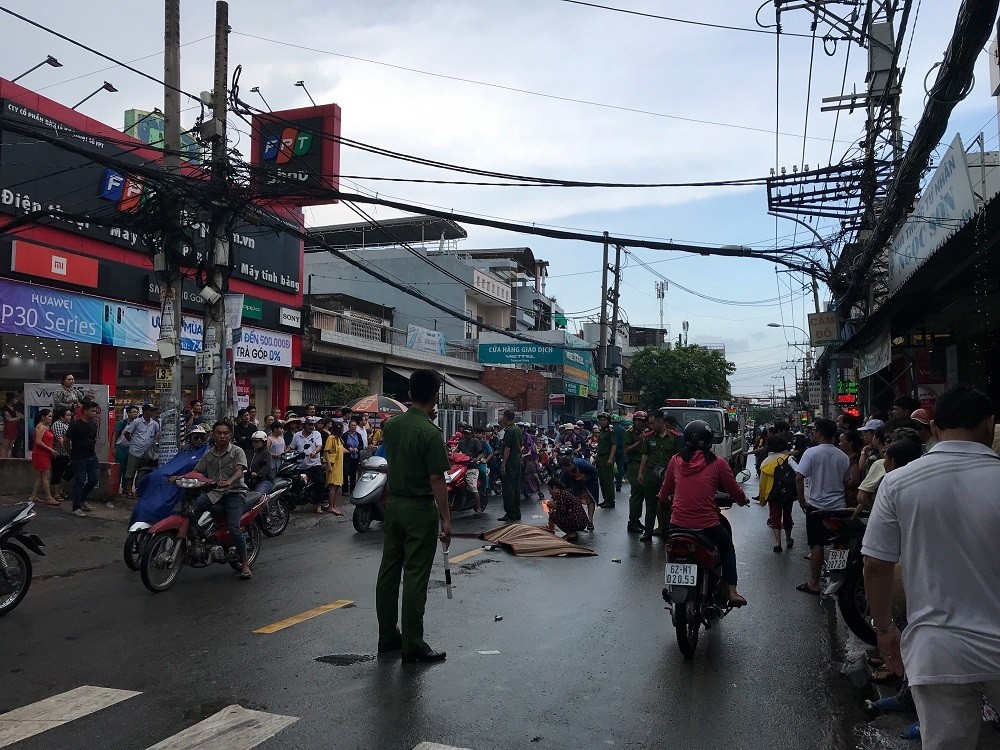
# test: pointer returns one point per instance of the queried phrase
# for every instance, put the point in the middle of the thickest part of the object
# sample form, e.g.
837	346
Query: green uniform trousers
606	476
636	493
655	510
411	534
510	483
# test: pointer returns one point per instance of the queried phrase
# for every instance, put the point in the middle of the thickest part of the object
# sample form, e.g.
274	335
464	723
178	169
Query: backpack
783	491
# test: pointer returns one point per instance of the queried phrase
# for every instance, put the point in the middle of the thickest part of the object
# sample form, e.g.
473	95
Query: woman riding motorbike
692	477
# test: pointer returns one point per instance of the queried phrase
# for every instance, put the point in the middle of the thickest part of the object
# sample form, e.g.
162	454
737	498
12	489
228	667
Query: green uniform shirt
661	449
605	442
415	450
632	435
513	439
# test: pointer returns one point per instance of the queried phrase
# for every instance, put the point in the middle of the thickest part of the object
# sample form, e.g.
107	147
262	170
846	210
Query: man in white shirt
825	465
308	441
940	517
141	435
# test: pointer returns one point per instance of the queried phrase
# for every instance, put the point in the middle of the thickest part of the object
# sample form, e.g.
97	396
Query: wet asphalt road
587	657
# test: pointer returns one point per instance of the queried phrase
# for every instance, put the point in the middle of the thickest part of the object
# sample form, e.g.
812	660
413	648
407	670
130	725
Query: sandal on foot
337	511
777	548
320	511
805	588
53	503
246	576
737	602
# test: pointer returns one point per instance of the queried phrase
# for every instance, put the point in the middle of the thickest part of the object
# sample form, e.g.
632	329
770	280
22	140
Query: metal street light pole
105	87
50	60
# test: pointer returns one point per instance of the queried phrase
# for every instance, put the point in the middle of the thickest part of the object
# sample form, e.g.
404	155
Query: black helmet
699	434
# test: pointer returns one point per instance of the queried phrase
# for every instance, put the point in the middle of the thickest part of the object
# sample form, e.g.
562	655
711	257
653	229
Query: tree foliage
340	394
680	372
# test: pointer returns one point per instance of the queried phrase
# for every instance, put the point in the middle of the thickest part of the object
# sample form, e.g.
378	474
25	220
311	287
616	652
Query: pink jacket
694	484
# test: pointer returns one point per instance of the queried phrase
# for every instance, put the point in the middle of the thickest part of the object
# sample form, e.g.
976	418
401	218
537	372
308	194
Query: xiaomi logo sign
44	262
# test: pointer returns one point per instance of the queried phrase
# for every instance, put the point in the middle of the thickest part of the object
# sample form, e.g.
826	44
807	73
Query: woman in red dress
41	457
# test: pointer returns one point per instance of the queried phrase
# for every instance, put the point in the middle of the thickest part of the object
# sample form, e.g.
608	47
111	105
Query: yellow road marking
303	616
467	555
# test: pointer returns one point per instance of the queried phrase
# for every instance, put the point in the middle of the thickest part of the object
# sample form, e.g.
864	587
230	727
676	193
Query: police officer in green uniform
657	450
418	495
510	467
606	460
634	438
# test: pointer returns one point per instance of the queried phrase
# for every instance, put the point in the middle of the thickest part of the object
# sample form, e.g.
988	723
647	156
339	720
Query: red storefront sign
58	265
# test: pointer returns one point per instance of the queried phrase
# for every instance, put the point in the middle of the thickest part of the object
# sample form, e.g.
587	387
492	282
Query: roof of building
408	229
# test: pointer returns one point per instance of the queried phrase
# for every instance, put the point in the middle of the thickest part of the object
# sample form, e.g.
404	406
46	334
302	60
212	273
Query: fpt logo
293	142
124	191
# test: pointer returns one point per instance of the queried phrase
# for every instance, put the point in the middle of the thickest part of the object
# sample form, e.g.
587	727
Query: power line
680	20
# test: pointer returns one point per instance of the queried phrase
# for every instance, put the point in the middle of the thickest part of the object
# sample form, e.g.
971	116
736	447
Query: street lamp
256	90
50	60
302	85
105	87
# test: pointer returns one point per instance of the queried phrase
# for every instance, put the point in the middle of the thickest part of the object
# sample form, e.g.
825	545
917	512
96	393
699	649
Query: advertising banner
425	340
39	396
519	353
264	347
815	392
946	204
876	357
823	328
243	388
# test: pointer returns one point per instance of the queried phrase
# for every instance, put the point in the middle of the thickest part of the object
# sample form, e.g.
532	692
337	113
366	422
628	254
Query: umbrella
377	404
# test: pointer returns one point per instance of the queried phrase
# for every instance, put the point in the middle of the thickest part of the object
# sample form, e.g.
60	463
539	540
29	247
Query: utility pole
661	293
217	337
602	348
165	263
612	366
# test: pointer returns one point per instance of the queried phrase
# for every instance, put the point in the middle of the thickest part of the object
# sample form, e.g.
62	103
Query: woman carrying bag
333	454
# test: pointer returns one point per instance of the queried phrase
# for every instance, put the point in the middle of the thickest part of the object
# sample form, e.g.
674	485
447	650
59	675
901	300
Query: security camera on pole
217	341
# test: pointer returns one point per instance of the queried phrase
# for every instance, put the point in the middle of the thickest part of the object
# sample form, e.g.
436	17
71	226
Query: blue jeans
86	475
232	503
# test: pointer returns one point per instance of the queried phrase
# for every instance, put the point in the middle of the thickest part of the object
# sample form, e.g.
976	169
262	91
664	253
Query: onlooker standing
606	460
634	438
252	417
10	424
82	438
67	396
60	462
657	450
940	517
141	434
418	496
903	407
243	431
307	441
352	452
194	415
851	443
333	453
121	445
472	447
778	489
276	440
41	457
825	465
510	467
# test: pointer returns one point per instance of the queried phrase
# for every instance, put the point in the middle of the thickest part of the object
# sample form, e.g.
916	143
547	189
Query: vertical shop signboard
243	387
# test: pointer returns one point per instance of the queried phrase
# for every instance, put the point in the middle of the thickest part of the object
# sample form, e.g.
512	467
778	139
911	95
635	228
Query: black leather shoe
646	537
504	518
608	504
387	647
427	656
634	527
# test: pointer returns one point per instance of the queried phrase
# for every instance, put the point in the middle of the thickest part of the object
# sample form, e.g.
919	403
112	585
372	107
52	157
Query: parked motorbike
370	493
844	573
181	538
15	565
301	490
694	589
459	498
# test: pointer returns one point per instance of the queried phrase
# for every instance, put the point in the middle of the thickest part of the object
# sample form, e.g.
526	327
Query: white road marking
436	746
233	728
489	653
49	713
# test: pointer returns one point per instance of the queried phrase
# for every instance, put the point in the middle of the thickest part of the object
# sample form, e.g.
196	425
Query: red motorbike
459	497
181	538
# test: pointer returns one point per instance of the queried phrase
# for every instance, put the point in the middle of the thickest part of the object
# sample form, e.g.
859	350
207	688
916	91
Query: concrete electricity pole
217	337
602	348
165	263
612	366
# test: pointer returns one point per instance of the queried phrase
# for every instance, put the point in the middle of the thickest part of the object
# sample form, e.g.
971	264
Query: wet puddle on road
345	660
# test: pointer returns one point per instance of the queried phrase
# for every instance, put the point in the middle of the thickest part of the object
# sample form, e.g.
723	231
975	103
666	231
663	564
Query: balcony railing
368	328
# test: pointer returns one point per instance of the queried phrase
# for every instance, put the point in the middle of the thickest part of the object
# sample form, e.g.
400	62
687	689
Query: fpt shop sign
264	348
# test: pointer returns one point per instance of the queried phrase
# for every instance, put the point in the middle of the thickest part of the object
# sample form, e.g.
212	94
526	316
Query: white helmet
259	435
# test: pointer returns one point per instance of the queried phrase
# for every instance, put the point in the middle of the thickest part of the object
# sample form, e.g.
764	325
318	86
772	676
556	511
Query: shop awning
460	386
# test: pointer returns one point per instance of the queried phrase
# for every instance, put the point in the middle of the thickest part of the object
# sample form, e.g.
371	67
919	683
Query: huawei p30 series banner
36	174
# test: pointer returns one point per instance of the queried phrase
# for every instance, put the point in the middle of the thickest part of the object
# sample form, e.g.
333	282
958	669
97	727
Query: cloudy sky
546	88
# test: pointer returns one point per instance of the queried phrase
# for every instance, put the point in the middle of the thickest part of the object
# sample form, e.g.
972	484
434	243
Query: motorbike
370	494
844	573
15	564
181	538
277	511
459	498
694	589
301	489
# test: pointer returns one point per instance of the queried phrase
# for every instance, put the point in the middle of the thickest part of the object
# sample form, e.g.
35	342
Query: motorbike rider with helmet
692	478
260	476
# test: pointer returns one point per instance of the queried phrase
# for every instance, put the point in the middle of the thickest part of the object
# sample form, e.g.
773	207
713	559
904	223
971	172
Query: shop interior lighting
50	60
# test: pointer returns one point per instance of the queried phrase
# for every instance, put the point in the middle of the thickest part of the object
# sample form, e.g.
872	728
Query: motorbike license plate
837	559
681	574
